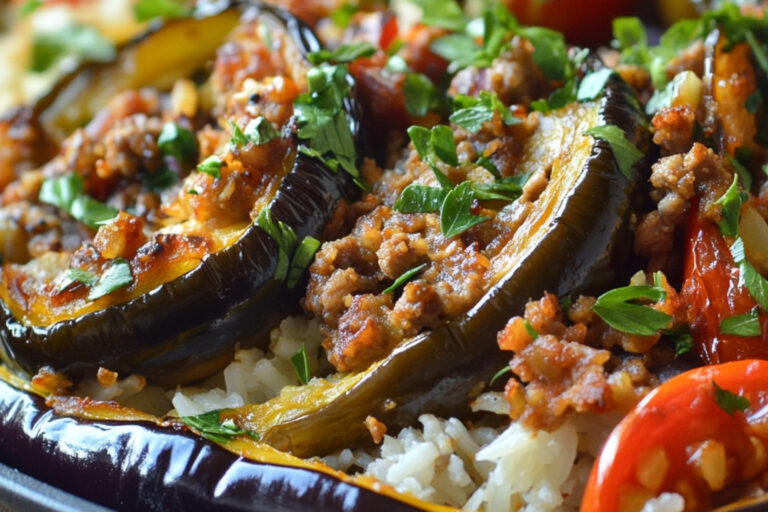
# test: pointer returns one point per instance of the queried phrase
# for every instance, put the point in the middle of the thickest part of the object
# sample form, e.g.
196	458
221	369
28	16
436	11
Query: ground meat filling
349	275
567	368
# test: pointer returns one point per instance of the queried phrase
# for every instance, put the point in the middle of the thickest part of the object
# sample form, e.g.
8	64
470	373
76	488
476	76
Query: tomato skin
711	287
584	22
676	416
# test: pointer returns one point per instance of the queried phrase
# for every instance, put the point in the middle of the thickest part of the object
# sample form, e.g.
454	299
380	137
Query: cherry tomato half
681	439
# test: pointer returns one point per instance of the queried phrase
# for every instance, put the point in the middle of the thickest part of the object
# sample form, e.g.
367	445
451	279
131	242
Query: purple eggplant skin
140	466
187	328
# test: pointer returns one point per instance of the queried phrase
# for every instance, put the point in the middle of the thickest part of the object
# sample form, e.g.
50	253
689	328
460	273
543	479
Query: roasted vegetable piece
186	328
139	466
714	289
696	434
564	246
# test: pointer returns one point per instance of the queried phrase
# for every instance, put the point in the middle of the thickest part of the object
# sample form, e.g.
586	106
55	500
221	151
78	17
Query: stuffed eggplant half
178	221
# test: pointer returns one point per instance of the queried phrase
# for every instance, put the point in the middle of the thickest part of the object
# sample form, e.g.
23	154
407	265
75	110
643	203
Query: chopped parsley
117	276
145	10
455	212
81	41
442	13
742	172
498	374
592	84
747	324
730	204
344	53
683	343
300	363
211	166
76	275
728	401
160	179
749	276
404	278
420	199
617	310
258	131
324	129
177	141
66	192
29	7
625	152
293	257
210	426
343	15
421	95
470	112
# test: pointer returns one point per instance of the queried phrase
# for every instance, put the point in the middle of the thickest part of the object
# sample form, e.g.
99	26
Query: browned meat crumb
558	372
377	429
674	129
24	144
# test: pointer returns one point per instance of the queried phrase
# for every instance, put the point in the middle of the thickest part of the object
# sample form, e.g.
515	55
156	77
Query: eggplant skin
134	466
186	329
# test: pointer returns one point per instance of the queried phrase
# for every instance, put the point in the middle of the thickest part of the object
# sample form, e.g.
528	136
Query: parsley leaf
160	179
284	236
749	276
472	112
117	276
747	324
300	362
616	310
455	212
593	84
323	122
498	374
509	189
625	152
404	278
210	426
550	52
342	16
29	7
458	49
177	141
145	10
683	344
211	166
730	203
82	41
420	199
728	401
259	131
66	192
429	143
301	260
421	95
344	53
743	173
442	13
76	275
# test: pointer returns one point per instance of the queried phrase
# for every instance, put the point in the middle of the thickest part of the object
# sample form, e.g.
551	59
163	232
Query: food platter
287	265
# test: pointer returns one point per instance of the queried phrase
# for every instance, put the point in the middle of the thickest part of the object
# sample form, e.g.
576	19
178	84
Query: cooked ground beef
24	144
558	371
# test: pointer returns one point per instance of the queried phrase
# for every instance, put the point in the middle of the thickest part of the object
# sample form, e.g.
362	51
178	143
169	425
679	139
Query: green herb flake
92	212
210	426
758	50
743	173
404	278
81	41
472	112
458	49
625	152
161	179
342	16
529	328
301	260
211	166
455	212
420	199
498	374
730	204
344	53
442	13
508	189
117	276
177	141
728	401
66	192
487	164
421	95
260	131
749	276
300	363
747	325
29	7
238	138
615	308
286	239
593	84
75	275
145	10
683	344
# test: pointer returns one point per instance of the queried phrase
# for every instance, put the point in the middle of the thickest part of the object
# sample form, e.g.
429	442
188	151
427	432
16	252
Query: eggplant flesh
442	370
184	329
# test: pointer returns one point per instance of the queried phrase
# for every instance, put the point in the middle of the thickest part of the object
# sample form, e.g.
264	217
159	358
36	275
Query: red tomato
584	22
712	288
678	439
